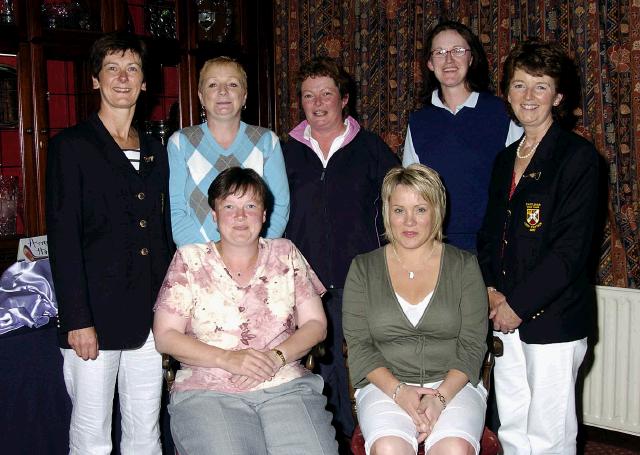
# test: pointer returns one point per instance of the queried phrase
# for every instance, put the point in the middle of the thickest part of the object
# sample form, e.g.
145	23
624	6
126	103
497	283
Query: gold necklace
531	152
412	274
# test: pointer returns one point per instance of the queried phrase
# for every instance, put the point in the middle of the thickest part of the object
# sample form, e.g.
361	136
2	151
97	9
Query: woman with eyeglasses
461	128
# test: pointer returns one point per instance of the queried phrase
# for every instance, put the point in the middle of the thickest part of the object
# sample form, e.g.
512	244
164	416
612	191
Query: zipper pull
322	176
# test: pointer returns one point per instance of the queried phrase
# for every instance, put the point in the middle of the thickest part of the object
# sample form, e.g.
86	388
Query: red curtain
380	44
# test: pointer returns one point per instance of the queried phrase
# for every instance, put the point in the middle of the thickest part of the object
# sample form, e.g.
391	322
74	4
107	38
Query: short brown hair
424	181
112	43
540	58
237	180
326	66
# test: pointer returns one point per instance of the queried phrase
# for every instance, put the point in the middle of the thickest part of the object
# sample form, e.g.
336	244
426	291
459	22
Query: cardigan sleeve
275	175
183	227
364	357
471	345
65	234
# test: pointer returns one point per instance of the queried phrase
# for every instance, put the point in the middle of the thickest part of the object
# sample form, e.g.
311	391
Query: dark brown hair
117	42
237	180
326	66
477	79
540	58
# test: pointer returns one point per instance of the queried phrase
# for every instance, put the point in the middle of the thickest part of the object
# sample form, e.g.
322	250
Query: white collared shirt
335	145
409	156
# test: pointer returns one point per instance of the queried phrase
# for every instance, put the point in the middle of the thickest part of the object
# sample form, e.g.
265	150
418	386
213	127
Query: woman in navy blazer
533	250
109	245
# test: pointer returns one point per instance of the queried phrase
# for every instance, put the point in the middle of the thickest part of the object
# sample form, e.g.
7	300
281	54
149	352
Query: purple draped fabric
26	296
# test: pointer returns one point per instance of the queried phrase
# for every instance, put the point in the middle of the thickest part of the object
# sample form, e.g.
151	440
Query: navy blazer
108	228
534	248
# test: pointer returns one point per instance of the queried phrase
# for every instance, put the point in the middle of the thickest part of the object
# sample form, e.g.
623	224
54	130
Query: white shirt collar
335	145
470	102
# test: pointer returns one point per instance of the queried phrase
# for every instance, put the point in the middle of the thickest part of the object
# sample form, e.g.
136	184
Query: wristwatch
281	355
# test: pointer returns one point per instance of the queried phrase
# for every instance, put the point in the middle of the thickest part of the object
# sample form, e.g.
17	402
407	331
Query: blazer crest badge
533	216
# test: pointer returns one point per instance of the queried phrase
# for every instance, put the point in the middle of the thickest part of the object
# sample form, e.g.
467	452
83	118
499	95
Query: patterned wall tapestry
380	43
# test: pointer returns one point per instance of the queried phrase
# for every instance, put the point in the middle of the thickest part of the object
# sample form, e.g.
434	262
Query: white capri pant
463	417
535	392
91	385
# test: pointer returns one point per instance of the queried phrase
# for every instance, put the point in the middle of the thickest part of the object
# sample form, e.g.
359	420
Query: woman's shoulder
425	111
278	245
571	146
371	143
372	258
189	131
257	133
192	134
577	140
490	98
195	251
455	255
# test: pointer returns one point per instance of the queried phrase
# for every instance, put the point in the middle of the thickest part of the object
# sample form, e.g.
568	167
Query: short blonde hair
424	181
221	61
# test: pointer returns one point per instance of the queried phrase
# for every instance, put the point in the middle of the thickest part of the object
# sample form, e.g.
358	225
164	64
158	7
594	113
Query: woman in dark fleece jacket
335	170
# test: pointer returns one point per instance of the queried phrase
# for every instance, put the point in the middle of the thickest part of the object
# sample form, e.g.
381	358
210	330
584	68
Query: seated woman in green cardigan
415	321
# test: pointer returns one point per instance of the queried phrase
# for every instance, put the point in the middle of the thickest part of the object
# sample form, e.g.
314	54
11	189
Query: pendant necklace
411	273
247	270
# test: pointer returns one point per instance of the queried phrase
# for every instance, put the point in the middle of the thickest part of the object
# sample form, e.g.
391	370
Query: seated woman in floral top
238	314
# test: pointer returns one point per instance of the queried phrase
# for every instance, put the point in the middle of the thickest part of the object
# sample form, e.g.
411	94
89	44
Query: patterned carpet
602	442
599	448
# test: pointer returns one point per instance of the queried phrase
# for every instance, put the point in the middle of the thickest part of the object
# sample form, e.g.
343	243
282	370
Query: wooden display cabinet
47	46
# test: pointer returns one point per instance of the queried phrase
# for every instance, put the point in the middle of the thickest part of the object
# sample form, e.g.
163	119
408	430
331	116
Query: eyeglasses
455	52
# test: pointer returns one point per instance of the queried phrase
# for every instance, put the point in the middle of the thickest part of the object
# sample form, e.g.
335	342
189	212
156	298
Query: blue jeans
288	419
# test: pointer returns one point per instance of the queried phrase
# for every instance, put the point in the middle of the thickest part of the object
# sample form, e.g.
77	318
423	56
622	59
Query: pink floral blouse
220	313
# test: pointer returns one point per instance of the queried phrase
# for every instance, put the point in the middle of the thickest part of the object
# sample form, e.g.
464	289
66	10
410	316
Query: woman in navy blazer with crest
533	250
110	245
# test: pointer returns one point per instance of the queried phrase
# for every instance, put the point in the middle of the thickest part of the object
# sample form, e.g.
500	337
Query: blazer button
141	195
508	212
504	272
144	252
143	223
506	241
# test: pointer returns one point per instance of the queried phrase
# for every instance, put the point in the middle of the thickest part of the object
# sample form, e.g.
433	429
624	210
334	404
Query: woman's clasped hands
417	402
251	367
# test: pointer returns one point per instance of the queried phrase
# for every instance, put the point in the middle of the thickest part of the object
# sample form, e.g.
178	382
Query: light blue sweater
196	159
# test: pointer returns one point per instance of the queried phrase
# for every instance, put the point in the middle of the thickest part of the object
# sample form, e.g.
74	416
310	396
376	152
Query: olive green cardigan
451	334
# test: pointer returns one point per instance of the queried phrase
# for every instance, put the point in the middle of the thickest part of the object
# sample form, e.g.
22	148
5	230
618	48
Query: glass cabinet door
11	173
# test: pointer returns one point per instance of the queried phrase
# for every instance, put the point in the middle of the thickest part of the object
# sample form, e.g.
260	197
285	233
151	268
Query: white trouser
91	386
535	392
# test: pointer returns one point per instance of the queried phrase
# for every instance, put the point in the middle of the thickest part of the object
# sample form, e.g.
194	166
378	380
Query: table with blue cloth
35	409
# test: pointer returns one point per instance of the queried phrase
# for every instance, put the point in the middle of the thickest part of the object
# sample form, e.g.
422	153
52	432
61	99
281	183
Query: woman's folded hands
410	398
251	367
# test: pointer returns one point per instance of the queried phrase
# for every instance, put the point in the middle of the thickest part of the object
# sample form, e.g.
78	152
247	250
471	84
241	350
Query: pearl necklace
411	273
531	152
